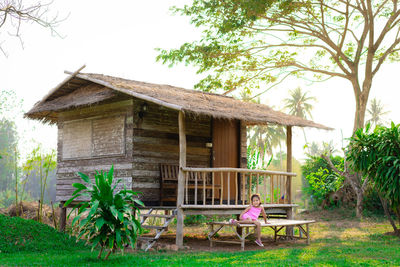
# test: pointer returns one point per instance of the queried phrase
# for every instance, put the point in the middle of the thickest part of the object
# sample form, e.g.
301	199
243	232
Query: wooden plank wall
151	138
243	145
156	141
67	168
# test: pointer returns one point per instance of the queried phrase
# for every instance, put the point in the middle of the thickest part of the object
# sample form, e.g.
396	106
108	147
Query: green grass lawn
347	242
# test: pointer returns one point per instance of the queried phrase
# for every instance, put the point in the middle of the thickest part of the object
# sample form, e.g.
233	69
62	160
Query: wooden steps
150	220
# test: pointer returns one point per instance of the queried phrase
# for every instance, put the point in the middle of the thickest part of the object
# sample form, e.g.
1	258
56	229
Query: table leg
242	239
211	231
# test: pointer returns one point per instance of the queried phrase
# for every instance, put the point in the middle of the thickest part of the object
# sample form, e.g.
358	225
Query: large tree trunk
387	213
361	107
359	205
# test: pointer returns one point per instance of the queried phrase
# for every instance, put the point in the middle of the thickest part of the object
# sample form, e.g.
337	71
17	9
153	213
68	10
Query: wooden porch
228	190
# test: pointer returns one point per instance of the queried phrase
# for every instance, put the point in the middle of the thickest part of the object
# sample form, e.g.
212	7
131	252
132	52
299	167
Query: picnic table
276	224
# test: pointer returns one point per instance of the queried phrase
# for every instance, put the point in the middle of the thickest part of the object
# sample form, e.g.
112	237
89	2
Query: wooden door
226	143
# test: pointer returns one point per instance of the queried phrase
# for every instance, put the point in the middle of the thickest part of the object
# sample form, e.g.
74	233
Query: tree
377	156
43	163
15	13
299	105
8	144
327	148
246	43
376	112
263	138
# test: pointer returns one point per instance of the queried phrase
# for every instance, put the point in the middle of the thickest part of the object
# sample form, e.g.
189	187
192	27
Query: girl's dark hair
255	195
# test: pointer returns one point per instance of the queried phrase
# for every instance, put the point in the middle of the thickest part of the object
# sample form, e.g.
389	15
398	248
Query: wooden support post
63	216
289	163
181	179
290	214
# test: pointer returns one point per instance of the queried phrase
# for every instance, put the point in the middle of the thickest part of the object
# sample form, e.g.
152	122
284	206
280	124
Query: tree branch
385	55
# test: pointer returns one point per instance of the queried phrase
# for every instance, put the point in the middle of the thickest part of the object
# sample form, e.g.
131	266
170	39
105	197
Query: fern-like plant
112	218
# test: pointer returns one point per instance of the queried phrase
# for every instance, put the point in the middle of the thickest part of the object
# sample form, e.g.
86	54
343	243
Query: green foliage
255	44
245	43
376	154
8	145
321	179
194	219
112	219
18	235
372	205
254	159
262	139
42	163
7	197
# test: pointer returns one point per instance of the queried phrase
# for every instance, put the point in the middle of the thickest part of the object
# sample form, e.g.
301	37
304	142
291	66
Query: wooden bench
169	182
275	224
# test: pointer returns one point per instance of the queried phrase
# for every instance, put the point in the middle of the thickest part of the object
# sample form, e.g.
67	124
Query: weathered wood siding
156	141
92	139
243	145
135	140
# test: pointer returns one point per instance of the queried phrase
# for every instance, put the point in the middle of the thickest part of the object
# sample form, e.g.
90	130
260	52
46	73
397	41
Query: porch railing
234	186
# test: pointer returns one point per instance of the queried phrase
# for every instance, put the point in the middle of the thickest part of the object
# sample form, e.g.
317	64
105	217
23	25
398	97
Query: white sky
118	38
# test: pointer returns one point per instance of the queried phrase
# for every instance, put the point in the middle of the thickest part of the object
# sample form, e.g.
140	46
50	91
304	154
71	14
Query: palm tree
375	112
266	137
263	138
299	105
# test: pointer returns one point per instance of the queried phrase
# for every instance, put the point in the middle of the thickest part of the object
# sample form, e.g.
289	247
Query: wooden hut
179	147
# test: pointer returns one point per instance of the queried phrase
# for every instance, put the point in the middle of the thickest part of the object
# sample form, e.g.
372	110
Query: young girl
250	216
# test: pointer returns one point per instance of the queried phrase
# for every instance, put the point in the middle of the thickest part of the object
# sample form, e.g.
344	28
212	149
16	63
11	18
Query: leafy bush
321	179
113	217
194	219
377	156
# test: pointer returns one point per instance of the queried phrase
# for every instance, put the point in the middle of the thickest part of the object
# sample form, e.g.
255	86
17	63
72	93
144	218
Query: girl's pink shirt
254	213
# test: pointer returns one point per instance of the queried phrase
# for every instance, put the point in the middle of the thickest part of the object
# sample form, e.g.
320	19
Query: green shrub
113	217
376	154
320	179
194	219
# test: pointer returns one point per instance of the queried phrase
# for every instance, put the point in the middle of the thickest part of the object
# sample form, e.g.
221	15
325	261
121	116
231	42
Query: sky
119	38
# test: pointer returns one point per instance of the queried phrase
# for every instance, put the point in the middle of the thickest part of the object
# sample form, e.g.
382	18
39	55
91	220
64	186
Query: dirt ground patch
198	243
340	224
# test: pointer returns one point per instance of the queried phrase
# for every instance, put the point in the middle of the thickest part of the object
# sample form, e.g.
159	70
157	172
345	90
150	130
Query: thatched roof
86	88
